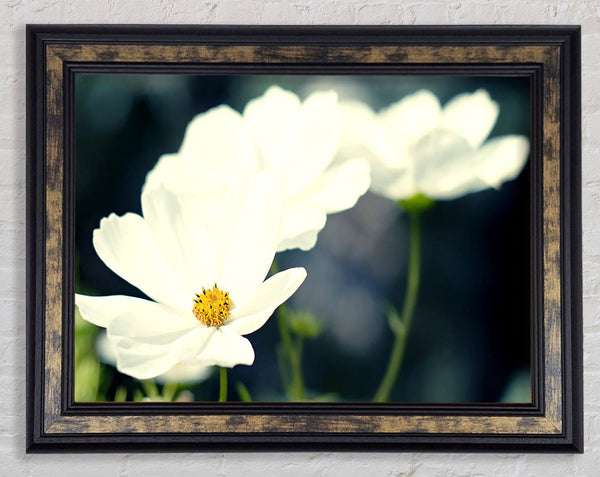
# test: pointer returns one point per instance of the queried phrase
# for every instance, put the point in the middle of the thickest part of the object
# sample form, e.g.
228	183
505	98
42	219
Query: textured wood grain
56	55
309	54
54	235
335	424
552	236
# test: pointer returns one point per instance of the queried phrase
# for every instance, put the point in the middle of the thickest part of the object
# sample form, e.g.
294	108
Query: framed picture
293	238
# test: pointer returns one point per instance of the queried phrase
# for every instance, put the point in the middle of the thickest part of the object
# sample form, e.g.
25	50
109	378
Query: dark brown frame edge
571	438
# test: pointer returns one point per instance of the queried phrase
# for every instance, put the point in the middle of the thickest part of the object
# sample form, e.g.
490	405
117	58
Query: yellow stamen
212	307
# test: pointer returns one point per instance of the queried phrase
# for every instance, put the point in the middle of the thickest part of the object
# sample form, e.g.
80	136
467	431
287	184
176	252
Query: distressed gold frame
548	55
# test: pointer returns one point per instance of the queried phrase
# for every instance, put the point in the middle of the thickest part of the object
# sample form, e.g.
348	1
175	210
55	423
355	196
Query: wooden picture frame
548	55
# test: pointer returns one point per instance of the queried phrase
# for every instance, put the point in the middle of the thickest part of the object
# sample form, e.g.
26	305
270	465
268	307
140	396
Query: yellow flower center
212	307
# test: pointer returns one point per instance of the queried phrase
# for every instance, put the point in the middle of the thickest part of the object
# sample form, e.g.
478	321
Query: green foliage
304	324
243	392
88	370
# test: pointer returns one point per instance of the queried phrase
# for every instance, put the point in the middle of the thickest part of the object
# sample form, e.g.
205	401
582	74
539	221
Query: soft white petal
273	120
499	160
453	186
316	140
255	312
435	151
338	188
472	115
145	357
178	373
249	235
363	137
297	139
219	140
149	364
396	185
304	241
184	235
440	156
225	348
502	159
185	373
101	310
187	177
125	244
300	227
152	323
408	120
106	349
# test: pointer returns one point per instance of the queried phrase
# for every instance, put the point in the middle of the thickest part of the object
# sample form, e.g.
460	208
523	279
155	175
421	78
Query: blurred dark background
470	338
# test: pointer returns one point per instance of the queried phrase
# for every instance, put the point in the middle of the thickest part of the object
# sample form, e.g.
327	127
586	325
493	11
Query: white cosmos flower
416	146
277	133
203	272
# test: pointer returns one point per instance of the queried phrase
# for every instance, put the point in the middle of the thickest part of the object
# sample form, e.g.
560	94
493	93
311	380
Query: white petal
184	235
273	120
338	188
249	235
255	312
127	247
152	323
471	115
219	140
146	365
408	120
502	159
188	177
442	157
300	228
225	348
145	338
106	349
304	241
185	373
453	186
363	137
297	139
315	143
101	310
499	160
179	373
145	357
396	184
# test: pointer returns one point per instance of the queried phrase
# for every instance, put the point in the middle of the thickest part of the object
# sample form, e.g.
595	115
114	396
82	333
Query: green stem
223	385
243	392
168	392
296	387
297	379
410	301
289	359
150	388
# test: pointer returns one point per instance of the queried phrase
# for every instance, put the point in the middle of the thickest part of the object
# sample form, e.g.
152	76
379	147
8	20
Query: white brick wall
14	14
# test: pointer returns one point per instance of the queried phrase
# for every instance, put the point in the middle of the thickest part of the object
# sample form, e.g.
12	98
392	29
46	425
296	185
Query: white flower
204	273
276	133
416	146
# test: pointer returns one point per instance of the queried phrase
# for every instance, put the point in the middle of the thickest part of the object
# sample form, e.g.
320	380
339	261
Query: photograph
302	238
